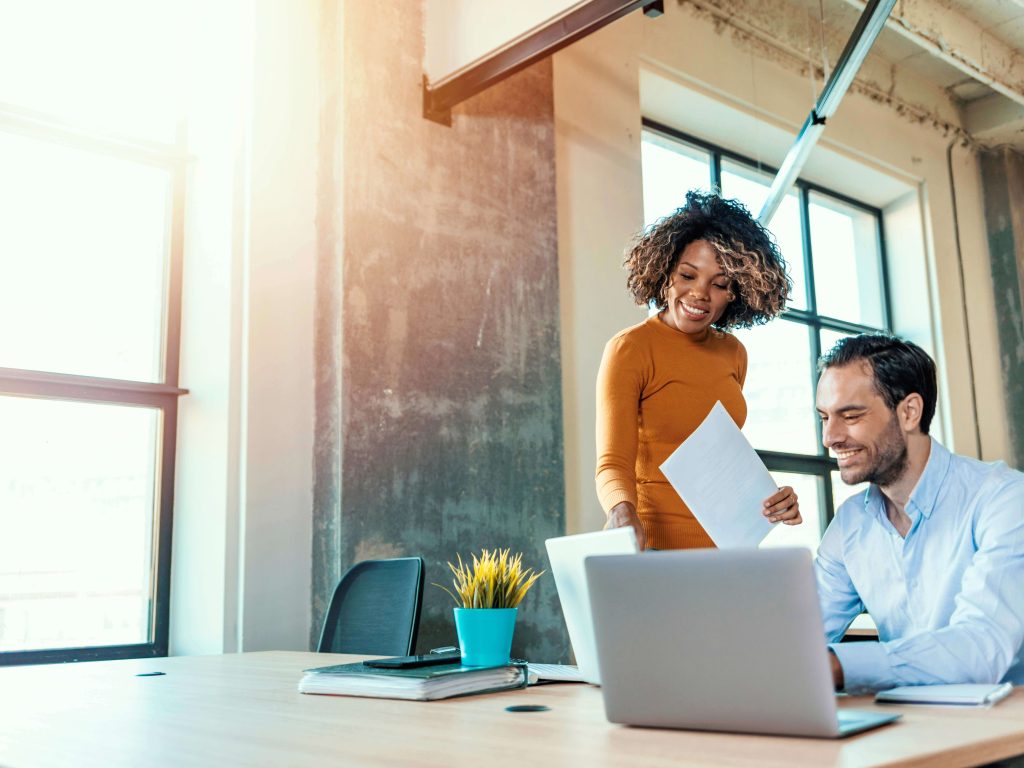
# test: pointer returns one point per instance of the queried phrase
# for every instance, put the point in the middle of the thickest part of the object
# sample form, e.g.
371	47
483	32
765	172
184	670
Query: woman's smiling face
698	290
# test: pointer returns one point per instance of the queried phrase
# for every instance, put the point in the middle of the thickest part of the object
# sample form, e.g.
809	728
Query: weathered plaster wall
450	426
1002	173
327	329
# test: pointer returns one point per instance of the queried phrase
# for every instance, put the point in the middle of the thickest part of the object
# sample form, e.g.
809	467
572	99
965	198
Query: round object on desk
527	708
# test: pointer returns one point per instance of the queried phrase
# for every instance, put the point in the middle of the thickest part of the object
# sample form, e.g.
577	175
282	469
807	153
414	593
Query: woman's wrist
622	514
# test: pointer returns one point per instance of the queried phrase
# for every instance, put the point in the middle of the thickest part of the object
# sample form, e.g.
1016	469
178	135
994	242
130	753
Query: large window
91	237
833	246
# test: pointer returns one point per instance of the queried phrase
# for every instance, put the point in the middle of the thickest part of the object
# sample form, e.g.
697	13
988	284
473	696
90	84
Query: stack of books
441	681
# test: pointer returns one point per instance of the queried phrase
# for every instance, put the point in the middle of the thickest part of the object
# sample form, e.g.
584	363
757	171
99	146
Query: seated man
933	549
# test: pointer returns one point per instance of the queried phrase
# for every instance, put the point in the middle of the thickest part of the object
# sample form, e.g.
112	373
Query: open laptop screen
567	554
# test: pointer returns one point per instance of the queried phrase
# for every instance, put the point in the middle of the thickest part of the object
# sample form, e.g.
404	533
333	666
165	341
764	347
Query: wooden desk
244	710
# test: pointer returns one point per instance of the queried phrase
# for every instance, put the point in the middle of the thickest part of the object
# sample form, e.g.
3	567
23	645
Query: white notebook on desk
966	695
554	673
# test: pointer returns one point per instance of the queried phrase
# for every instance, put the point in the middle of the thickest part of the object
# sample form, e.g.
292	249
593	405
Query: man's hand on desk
624	514
837	670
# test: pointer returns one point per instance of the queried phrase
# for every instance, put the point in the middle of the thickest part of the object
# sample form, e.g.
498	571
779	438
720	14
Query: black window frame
819	465
162	396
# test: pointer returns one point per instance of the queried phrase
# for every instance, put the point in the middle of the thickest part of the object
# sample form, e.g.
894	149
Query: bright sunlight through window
92	147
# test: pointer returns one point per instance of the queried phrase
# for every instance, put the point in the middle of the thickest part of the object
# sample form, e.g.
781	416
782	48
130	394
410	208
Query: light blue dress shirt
948	599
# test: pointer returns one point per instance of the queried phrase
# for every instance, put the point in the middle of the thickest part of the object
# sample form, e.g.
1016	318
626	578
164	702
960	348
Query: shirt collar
928	485
925	493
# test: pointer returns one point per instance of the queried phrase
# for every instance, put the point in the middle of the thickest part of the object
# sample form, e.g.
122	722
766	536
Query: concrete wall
327	331
1002	173
450	426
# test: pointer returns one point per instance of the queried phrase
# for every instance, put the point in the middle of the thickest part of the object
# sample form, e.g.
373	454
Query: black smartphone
423	660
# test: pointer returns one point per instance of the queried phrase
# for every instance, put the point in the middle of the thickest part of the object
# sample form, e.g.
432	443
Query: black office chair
375	609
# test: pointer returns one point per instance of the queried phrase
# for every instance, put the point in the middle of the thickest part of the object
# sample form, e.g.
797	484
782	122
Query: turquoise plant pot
485	635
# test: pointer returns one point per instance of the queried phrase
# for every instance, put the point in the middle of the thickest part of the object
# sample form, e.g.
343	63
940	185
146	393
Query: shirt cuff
617	496
865	666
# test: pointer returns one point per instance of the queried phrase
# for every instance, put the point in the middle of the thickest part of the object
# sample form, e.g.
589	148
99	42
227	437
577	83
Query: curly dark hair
747	252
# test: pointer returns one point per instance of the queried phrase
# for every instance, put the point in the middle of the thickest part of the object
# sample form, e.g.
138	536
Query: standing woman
707	267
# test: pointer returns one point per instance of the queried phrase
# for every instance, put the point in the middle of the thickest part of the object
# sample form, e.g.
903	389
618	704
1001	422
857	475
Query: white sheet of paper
723	481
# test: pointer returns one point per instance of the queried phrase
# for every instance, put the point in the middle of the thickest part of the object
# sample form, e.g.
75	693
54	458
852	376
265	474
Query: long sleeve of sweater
620	383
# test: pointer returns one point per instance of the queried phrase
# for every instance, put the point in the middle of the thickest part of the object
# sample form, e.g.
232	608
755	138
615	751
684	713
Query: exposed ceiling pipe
870	23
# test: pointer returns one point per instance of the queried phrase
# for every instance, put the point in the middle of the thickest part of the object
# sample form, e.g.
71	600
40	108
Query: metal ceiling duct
864	34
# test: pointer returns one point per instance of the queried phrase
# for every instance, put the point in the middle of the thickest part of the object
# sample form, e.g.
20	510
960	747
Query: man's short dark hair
900	368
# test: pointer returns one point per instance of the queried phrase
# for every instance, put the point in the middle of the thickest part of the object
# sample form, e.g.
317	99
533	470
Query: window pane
109	65
750	187
670	170
780	403
847	262
83	251
841	491
808	534
77	506
830	338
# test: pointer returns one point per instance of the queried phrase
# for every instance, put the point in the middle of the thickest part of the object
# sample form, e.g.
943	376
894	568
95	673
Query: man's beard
891	462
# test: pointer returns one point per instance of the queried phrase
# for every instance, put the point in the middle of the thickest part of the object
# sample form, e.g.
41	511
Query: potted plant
486	594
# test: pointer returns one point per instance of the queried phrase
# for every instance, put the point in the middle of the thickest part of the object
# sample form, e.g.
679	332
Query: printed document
723	481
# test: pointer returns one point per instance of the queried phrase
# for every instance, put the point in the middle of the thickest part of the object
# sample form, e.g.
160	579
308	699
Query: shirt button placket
896	549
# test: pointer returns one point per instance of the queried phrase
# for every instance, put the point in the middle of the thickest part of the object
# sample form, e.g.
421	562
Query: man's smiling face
858	427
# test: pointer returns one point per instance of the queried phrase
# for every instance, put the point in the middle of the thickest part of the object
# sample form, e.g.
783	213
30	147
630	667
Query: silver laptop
717	640
567	554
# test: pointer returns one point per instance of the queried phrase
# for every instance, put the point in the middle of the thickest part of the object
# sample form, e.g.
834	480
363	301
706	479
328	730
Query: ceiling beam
956	39
994	120
556	33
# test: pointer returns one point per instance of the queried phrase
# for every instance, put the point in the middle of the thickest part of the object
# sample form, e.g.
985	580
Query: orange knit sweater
655	387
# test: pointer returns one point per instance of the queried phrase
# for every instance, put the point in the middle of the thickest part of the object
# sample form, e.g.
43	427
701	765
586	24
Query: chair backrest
375	609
